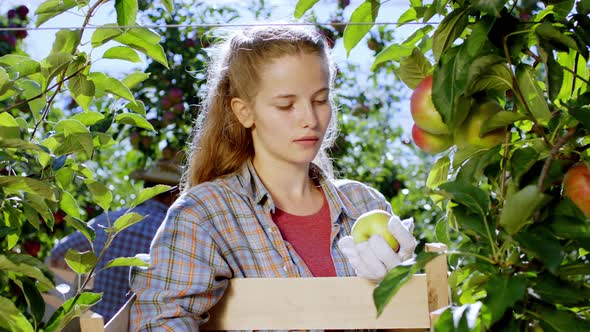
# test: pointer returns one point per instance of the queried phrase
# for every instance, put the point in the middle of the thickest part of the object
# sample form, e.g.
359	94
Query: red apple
431	143
468	133
576	187
423	111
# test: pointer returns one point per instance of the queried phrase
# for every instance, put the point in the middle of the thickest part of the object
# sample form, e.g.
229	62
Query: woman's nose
308	115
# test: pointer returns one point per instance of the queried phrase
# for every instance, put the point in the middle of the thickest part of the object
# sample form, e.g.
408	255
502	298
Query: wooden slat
437	282
317	303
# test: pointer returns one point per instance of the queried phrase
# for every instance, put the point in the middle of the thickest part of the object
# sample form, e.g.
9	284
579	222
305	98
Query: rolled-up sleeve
187	275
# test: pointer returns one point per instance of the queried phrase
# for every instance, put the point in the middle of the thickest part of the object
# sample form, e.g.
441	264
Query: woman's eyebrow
324	89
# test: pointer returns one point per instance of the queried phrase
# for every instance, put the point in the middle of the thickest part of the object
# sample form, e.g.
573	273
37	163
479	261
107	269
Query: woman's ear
243	112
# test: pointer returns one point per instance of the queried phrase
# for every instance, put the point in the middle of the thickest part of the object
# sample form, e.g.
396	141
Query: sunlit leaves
532	93
303	6
121	53
145	41
414	68
66	41
519	208
81	262
364	16
448	31
51	8
126	12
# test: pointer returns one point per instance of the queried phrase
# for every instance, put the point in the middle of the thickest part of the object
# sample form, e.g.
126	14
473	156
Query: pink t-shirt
310	236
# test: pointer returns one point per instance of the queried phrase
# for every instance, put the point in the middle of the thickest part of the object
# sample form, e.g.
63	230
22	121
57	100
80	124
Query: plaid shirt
114	282
221	230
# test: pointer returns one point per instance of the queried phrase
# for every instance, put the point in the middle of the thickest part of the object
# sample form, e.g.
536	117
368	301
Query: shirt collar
252	186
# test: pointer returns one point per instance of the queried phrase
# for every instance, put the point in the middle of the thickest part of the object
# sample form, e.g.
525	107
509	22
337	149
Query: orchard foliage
46	152
518	246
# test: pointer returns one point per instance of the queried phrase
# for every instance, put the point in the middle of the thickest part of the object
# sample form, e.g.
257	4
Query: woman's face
291	111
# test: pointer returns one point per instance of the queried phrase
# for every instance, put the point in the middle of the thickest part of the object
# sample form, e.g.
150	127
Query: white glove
373	258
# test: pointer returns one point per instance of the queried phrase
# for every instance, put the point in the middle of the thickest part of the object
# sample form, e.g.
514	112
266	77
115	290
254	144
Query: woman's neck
290	187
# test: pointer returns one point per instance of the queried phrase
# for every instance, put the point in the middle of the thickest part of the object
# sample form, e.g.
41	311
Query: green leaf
393	52
4	81
439	173
500	120
581	114
365	13
488	73
105	33
54	64
539	242
572	60
396	278
555	76
137	106
24	265
559	291
20	65
32	91
134	120
121	53
414	69
547	32
145	41
82	227
72	308
127	220
418	35
83	90
473	169
88	118
100	193
475	199
522	160
9	128
103	140
465	318
503	291
28	185
570	228
553	319
51	8
127	261
80	262
11	318
34	299
169	5
519	208
302	7
148	193
448	84
126	12
66	41
532	93
6	143
69	204
472	223
133	79
448	31
492	7
109	84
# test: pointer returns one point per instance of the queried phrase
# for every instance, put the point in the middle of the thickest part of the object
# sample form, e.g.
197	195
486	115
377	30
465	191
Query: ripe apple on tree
371	223
468	133
431	143
576	187
423	111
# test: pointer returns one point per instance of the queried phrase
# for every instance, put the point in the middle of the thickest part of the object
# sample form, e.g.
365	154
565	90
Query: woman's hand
373	258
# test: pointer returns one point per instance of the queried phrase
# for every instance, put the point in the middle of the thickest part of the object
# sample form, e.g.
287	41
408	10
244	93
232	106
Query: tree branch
560	142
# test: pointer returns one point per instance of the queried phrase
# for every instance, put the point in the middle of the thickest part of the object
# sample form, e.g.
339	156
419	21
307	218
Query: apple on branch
469	132
423	111
372	223
431	143
576	187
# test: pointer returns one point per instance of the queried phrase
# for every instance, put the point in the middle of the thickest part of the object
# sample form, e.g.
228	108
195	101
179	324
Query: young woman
259	197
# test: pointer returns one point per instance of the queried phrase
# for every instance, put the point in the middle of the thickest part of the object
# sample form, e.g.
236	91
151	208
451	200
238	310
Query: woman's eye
321	102
285	107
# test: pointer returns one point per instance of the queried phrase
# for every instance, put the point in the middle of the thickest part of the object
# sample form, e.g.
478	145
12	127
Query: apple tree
48	153
510	84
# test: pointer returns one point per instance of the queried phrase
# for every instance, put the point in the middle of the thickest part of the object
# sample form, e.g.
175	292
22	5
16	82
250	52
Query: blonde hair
220	144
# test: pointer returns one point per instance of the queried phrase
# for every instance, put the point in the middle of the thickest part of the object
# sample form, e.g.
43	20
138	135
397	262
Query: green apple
371	223
468	133
576	186
431	143
423	111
